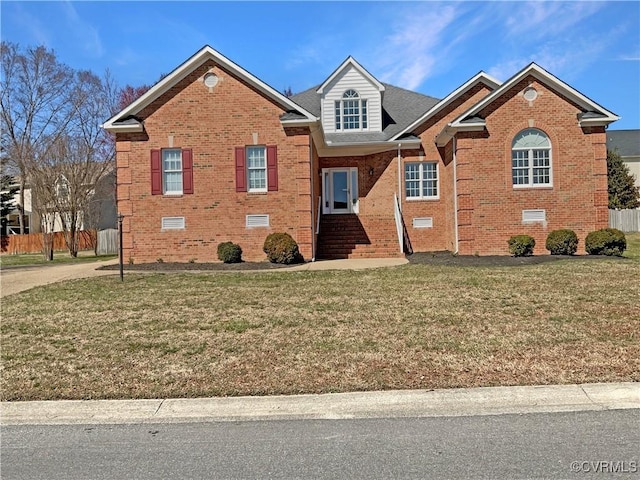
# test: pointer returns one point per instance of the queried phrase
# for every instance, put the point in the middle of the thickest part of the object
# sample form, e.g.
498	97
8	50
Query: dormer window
351	112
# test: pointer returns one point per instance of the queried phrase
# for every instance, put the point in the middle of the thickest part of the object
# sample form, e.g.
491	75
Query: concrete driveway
18	279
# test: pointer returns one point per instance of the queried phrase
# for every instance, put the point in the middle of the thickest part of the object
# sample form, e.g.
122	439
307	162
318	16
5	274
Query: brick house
355	167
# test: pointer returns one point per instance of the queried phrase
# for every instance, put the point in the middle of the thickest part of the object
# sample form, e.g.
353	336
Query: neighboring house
100	215
627	143
353	166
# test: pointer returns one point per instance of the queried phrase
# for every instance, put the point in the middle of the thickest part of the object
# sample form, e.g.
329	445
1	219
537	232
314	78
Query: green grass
279	332
7	260
633	246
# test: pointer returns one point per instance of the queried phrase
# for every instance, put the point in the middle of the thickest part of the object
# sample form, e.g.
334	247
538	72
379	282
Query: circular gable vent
530	94
210	80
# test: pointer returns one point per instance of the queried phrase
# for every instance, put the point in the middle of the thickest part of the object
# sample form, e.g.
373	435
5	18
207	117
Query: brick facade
212	122
476	211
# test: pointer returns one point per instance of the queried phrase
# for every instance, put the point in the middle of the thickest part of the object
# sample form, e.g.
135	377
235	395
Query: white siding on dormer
351	78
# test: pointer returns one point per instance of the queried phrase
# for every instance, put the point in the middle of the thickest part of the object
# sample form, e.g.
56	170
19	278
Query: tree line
52	142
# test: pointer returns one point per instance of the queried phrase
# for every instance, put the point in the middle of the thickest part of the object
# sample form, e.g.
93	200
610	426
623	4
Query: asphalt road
574	445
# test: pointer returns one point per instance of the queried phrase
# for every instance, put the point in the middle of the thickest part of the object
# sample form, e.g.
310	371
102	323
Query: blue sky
430	47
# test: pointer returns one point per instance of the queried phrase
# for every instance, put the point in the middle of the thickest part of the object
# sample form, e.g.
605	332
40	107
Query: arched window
351	112
531	159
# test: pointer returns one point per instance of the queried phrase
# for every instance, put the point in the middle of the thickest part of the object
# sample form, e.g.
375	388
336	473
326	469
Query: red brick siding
212	123
490	209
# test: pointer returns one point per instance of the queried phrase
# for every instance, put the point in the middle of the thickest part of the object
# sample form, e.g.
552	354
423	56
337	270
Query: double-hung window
531	159
257	169
171	171
421	180
351	112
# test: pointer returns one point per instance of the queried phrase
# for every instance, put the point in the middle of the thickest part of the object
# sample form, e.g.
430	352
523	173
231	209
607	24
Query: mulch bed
422	258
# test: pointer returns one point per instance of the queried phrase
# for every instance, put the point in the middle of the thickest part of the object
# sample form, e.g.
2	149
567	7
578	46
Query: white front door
340	190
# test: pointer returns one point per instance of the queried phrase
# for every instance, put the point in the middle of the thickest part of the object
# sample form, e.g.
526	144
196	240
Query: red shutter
272	168
156	173
241	171
187	171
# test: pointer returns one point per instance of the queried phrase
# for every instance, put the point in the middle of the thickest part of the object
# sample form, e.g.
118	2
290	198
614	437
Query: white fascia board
545	77
350	61
124	128
481	77
200	57
298	122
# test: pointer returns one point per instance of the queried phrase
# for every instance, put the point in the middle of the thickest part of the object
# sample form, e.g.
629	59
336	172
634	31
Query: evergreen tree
8	189
623	193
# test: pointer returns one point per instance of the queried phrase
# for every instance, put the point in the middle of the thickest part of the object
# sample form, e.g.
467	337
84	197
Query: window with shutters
171	171
256	169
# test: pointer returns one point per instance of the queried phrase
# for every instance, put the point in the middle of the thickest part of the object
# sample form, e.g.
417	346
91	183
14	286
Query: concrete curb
399	403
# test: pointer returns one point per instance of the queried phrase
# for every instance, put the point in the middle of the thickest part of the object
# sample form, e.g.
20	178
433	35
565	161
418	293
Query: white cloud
86	34
536	19
412	50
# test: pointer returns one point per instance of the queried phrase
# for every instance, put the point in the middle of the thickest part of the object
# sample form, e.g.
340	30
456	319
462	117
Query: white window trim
420	180
361	116
530	166
266	172
164	171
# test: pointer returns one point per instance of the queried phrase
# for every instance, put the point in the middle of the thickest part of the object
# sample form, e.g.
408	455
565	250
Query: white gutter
455	194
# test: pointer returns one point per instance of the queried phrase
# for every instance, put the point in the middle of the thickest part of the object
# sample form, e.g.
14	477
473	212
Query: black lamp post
120	218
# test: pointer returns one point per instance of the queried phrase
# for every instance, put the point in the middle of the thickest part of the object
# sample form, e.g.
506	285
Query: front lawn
25	259
278	332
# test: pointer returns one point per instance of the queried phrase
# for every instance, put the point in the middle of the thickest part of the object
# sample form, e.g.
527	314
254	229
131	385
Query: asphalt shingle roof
626	141
400	108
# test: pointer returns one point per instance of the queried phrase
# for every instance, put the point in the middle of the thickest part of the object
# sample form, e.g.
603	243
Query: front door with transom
339	190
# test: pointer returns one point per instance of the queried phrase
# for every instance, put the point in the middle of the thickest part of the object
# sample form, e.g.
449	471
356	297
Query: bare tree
66	178
36	107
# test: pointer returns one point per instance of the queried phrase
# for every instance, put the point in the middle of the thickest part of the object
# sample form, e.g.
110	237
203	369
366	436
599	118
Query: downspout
399	179
313	200
455	194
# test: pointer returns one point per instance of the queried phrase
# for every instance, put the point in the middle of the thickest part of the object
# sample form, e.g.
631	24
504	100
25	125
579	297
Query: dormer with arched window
351	112
351	100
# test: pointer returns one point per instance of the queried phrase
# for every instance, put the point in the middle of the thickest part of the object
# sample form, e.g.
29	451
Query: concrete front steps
350	236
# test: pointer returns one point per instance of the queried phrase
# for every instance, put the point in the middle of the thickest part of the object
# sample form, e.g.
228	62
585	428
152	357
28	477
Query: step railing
401	229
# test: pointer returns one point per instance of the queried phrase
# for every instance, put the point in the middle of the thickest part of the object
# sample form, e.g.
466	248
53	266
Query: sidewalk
389	404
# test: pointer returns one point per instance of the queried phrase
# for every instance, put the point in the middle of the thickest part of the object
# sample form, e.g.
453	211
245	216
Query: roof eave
480	77
598	122
196	60
123	128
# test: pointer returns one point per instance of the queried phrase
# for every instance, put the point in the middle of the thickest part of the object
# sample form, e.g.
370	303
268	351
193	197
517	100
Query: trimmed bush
282	248
521	245
562	242
607	241
229	252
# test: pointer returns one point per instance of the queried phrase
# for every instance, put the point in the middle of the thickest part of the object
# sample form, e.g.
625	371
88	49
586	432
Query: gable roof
125	120
480	77
627	142
400	108
350	62
593	114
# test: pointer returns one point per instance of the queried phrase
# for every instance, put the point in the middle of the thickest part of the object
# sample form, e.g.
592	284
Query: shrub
521	245
282	248
229	252
607	241
562	242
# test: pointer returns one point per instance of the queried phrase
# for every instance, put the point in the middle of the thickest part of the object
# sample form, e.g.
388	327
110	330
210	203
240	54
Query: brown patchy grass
416	326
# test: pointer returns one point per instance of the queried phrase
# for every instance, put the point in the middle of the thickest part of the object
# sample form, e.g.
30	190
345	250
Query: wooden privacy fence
625	220
32	242
108	242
